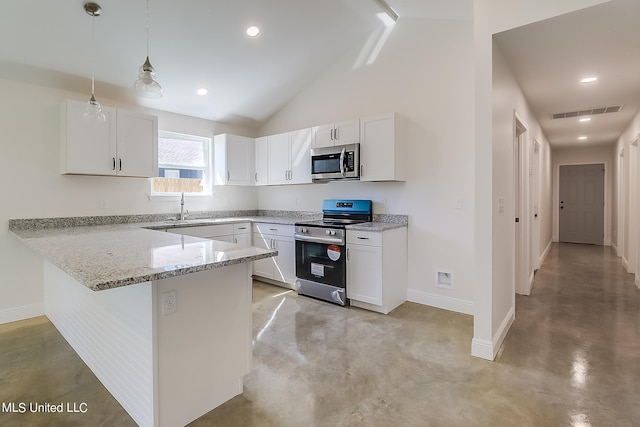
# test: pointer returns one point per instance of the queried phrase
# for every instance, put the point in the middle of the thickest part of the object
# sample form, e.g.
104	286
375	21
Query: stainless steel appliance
321	267
333	163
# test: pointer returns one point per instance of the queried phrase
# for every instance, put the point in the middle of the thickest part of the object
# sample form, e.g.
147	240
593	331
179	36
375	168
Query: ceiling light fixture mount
253	31
147	85
93	110
588	80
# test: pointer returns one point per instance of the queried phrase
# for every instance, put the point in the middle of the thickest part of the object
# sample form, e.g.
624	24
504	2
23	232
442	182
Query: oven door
321	262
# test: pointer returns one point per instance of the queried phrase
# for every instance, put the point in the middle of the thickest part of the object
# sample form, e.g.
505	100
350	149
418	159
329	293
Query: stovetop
340	213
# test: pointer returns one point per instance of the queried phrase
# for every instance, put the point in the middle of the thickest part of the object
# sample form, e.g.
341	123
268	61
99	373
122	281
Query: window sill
170	197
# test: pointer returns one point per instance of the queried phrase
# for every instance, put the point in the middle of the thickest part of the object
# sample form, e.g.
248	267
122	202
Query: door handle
114	163
120	163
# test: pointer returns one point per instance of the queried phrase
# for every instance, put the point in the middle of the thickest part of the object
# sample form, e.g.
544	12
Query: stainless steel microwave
333	163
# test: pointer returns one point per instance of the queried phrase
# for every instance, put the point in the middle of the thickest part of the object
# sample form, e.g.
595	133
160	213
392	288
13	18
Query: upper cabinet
289	157
126	144
341	133
261	174
382	154
233	160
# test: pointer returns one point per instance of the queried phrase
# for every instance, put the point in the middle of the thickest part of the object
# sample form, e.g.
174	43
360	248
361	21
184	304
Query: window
184	164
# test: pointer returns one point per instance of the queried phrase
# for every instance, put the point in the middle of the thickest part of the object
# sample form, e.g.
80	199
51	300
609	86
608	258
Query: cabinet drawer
370	238
207	231
274	229
242	228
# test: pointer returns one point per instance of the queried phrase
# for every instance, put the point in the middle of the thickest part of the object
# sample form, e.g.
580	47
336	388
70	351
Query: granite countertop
109	252
109	256
376	226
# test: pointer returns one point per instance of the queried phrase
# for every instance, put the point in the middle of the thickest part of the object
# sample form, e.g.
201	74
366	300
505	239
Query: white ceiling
195	43
550	57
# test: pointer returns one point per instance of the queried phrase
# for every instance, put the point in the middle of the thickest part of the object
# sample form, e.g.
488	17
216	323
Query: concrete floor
571	358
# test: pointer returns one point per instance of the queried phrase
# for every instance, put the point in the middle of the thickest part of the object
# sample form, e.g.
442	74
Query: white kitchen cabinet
126	144
214	232
340	133
233	160
261	174
242	234
382	154
280	270
289	157
239	233
279	158
377	269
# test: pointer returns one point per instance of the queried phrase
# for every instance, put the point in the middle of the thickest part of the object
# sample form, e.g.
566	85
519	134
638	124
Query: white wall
508	100
624	206
585	155
424	73
490	17
32	186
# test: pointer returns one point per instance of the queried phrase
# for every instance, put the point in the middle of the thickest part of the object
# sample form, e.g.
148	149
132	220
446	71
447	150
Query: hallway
571	358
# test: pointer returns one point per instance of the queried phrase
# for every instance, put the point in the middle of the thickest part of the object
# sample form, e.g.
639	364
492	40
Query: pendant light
147	85
93	110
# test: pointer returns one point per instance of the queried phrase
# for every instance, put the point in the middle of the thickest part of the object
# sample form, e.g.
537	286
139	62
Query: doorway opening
522	238
581	207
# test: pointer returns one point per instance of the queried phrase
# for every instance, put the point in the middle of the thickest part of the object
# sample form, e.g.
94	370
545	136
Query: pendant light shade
146	85
93	110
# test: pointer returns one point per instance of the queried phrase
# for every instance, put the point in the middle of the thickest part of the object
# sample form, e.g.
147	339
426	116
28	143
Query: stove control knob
333	232
328	232
303	230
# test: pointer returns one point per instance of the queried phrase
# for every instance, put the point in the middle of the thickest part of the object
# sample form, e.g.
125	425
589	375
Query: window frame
207	182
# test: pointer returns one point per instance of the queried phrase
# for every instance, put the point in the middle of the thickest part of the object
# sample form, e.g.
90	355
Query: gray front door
582	204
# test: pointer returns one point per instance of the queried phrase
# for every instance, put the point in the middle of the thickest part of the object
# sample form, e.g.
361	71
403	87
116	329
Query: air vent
590	112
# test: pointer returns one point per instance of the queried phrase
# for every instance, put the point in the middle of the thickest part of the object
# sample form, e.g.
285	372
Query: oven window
321	262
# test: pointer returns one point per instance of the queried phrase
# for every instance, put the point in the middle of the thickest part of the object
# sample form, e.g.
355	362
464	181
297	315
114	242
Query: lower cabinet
377	269
232	233
280	270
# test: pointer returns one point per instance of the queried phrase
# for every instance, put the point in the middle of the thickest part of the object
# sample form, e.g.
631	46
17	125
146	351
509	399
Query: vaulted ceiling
194	44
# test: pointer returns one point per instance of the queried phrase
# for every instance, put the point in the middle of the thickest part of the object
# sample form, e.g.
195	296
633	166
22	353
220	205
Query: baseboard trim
488	350
20	313
544	254
439	301
638	281
625	264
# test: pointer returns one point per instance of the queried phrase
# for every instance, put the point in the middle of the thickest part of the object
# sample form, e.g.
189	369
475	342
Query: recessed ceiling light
202	91
585	119
589	80
582	138
253	31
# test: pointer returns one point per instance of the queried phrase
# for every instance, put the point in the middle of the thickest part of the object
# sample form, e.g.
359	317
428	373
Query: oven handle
312	239
342	153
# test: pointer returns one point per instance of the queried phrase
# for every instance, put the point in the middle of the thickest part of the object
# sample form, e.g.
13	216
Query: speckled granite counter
110	252
110	256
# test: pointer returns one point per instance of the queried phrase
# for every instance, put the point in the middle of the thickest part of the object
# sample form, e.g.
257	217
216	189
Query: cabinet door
261	176
243	240
263	267
240	161
323	136
87	147
285	268
364	273
300	141
377	149
279	161
137	144
347	132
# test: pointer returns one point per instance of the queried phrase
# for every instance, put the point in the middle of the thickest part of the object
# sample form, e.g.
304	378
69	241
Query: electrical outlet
444	279
169	302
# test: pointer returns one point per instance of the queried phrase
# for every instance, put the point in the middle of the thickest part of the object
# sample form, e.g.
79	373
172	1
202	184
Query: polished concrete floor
571	358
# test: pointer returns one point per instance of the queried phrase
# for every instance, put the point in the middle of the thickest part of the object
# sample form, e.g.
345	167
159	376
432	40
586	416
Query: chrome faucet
182	207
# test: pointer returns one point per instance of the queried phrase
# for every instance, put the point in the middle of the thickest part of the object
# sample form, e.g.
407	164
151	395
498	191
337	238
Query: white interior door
582	204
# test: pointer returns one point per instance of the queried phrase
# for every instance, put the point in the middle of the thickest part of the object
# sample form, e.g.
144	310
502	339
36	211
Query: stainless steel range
321	267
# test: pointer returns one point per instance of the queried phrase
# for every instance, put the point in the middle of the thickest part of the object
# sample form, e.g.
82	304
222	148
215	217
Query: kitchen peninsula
162	319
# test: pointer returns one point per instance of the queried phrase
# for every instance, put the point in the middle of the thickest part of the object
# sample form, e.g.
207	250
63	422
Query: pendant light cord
147	28
93	53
